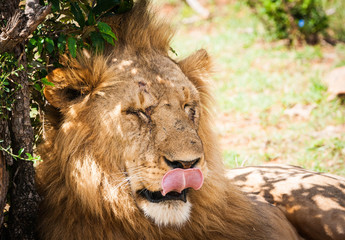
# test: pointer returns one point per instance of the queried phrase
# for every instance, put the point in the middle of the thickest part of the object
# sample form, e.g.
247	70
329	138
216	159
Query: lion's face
148	115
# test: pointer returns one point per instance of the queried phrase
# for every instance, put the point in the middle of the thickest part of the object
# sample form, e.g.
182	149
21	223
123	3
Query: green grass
336	18
258	81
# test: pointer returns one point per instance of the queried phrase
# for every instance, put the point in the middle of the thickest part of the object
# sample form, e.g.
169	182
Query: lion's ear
196	67
62	92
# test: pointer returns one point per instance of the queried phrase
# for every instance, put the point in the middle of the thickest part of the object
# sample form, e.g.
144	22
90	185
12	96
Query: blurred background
279	80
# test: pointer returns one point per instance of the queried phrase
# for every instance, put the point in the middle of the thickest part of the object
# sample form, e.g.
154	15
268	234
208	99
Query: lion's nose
181	163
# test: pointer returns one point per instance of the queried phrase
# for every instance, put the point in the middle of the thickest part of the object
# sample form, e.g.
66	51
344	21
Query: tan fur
313	202
137	106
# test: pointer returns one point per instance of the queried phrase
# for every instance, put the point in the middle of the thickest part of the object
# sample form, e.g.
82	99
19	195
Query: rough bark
21	24
17	131
7	8
23	195
5	160
3	186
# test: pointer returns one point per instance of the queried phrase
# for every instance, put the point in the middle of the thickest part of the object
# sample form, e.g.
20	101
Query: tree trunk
4	158
3	186
16	131
23	195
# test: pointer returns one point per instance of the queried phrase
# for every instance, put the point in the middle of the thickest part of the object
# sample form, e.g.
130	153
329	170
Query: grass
272	102
335	10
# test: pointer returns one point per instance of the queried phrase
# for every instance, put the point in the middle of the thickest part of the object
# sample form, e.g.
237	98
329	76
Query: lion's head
136	119
131	122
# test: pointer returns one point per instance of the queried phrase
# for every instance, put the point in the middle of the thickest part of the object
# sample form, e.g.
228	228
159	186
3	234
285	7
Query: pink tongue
179	179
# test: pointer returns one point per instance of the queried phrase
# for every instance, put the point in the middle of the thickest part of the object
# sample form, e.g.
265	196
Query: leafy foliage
9	67
20	156
72	26
292	19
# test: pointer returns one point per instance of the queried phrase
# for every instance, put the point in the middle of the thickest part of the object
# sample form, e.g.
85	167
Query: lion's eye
190	110
143	116
72	94
139	113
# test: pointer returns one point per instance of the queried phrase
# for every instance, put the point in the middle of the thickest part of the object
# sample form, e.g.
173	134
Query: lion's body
313	202
117	125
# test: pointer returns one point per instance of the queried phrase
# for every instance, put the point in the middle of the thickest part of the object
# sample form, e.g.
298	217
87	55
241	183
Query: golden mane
140	31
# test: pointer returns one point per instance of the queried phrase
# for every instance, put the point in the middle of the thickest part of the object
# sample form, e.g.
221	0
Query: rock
335	81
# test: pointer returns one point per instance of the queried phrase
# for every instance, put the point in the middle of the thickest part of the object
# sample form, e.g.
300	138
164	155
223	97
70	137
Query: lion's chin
168	213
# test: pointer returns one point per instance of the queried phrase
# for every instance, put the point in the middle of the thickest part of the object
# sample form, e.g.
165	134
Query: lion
130	151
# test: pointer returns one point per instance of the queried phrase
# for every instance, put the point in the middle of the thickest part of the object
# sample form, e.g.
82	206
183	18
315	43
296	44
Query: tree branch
22	24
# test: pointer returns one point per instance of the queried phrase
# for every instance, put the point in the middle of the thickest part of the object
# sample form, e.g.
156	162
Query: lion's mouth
156	197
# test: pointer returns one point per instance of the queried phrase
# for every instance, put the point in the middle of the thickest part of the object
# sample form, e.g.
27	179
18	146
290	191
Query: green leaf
78	14
125	6
49	44
91	19
72	46
108	38
105	28
46	82
55	5
85	6
105	5
37	87
173	51
33	41
40	45
20	151
31	45
97	41
61	43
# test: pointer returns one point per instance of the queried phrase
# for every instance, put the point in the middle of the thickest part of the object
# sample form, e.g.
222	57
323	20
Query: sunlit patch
113	186
173	213
86	54
160	80
186	93
114	116
166	82
320	200
66	126
124	63
134	71
340	227
294	209
87	175
72	112
102	94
